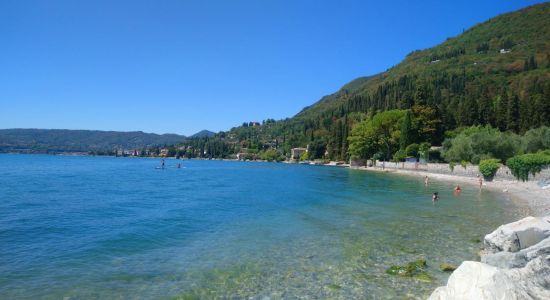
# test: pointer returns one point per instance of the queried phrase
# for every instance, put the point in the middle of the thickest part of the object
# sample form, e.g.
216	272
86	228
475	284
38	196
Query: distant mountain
63	140
203	133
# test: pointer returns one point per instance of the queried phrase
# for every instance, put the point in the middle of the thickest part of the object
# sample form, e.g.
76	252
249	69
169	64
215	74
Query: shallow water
101	227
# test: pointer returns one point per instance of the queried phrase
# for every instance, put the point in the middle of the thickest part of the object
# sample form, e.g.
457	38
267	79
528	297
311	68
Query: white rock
518	235
517	266
519	259
475	280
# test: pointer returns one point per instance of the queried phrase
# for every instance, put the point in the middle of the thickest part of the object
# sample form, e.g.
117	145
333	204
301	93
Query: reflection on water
84	227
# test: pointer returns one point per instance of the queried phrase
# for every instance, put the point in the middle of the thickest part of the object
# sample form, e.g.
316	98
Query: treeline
394	135
445	101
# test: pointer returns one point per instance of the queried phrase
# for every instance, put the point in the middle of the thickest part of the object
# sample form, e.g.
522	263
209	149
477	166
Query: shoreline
526	195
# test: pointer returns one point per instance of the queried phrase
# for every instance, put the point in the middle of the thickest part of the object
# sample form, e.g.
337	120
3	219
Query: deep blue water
103	227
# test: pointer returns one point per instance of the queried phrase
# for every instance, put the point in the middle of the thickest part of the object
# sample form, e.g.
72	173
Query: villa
295	153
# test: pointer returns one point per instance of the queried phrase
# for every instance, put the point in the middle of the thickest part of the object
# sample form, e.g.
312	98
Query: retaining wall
503	172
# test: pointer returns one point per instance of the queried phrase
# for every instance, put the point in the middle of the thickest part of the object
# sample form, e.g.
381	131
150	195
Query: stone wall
503	172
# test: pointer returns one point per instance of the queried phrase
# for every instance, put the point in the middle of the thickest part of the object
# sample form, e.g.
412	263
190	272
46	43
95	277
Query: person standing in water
162	163
426	179
435	197
480	179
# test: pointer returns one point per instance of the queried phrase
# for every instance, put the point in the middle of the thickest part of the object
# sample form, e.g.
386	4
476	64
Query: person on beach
426	179
435	197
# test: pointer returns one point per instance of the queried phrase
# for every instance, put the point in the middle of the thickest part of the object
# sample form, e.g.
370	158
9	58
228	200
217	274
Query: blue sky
183	66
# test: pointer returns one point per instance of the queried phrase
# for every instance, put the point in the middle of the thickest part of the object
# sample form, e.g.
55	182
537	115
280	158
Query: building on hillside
295	153
163	152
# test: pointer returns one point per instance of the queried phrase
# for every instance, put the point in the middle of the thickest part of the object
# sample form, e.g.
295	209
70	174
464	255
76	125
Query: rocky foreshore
515	264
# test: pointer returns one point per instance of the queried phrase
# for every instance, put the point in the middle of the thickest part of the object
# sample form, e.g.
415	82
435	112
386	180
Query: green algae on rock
409	270
334	286
445	267
423	276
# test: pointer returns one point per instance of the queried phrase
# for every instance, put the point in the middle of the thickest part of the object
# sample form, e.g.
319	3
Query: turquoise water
101	227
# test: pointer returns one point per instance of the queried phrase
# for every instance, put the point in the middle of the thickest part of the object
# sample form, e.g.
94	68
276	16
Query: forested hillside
62	140
496	73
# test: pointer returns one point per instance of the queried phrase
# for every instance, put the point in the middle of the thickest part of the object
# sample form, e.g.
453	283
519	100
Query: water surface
103	227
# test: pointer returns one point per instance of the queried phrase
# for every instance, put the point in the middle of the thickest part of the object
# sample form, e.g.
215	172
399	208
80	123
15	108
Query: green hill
62	140
470	65
496	73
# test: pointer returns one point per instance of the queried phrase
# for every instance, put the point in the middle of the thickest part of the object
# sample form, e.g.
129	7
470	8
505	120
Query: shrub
475	143
435	156
532	163
270	155
452	166
536	139
400	155
489	167
424	150
464	164
412	150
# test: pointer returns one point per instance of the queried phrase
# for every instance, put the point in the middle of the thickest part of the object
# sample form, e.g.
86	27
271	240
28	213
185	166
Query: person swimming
457	190
435	197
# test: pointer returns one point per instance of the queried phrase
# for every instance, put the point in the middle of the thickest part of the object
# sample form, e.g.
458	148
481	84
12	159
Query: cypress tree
512	114
405	139
532	63
344	151
501	108
485	111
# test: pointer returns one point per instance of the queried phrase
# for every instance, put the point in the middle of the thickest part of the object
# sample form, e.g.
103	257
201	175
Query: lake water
103	227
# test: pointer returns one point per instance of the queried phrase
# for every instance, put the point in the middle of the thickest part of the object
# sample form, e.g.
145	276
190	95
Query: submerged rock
415	269
517	266
423	276
518	235
409	269
334	286
445	267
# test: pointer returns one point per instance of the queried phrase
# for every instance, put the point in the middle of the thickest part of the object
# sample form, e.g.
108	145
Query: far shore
527	195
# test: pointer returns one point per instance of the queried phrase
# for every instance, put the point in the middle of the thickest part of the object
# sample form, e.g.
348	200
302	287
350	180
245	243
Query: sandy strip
526	195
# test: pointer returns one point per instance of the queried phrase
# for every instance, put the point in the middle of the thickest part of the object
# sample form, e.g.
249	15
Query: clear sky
182	66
